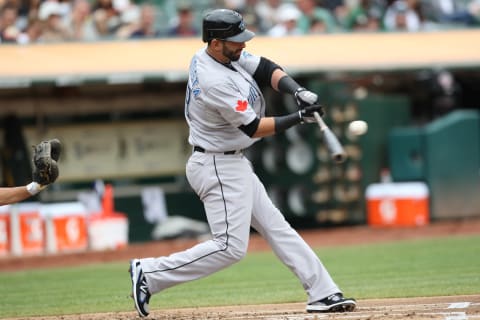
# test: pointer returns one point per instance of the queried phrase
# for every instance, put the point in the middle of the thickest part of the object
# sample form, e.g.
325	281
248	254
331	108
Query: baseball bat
334	147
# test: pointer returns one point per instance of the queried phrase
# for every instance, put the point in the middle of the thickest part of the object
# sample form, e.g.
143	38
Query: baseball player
225	111
45	172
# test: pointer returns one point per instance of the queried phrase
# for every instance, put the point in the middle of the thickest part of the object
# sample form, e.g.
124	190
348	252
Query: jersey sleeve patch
233	107
242	105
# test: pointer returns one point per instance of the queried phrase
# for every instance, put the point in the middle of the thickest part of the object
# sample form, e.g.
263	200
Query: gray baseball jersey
219	99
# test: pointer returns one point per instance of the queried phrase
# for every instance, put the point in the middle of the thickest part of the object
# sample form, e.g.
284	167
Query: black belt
200	149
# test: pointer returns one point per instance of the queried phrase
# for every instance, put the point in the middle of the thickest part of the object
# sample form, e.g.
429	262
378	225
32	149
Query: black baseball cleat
140	293
333	303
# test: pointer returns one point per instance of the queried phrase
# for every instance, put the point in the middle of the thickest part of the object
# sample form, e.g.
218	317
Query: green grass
447	266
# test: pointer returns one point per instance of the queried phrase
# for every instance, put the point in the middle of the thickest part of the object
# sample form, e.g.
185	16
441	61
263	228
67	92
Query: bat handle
320	121
336	150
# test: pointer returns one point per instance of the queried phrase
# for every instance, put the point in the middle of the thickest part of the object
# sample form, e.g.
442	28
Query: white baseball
358	127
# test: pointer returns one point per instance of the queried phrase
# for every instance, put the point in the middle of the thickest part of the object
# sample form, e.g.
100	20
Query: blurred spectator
403	15
32	32
315	18
318	26
184	23
474	11
87	20
236	5
339	8
448	12
21	8
267	11
287	17
28	13
365	16
247	8
80	22
146	27
332	5
8	28
129	14
65	7
50	15
116	18
105	17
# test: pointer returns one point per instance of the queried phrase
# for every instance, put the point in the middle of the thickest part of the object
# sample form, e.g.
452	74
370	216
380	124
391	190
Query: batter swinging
225	111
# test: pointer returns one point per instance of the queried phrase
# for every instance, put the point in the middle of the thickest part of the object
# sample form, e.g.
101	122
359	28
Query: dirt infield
451	308
445	308
431	308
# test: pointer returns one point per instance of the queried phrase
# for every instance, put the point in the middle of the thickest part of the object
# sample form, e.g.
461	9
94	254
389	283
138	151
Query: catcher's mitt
45	157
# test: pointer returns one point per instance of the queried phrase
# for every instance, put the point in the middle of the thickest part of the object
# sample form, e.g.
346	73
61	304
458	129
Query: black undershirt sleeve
282	123
265	69
250	128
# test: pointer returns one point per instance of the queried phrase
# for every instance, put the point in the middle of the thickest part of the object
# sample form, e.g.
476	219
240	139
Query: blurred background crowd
40	21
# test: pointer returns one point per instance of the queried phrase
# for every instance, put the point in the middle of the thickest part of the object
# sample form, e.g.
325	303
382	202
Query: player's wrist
282	123
34	187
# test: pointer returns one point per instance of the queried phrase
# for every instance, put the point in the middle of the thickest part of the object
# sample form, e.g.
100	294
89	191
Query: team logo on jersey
241	105
246	54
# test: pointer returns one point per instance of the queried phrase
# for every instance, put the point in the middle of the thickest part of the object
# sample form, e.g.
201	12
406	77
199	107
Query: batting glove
306	114
305	97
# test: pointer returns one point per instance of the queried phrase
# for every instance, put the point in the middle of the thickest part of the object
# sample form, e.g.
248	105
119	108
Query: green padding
382	113
406	154
453	164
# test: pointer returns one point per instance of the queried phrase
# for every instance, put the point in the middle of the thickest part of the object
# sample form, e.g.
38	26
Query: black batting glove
305	98
306	114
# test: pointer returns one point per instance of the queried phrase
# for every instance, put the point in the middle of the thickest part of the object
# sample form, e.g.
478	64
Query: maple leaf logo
241	105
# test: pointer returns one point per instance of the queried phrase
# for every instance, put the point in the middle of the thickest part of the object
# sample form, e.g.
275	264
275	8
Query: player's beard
233	55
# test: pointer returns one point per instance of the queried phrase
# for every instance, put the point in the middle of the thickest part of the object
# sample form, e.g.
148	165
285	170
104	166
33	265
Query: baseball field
430	272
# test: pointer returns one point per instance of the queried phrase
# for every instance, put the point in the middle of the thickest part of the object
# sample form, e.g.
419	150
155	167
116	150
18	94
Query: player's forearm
276	76
269	126
282	82
16	194
266	127
12	195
